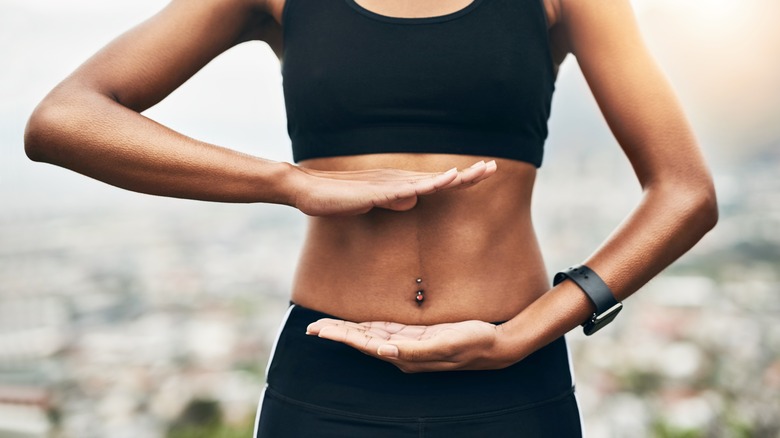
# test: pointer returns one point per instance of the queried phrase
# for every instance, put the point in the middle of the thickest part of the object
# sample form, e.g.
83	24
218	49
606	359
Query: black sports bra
478	81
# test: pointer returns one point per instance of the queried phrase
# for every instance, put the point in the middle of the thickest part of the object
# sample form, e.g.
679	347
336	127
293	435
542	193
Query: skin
380	221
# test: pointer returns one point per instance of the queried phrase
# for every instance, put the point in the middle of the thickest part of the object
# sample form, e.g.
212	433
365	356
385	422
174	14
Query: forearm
669	220
92	134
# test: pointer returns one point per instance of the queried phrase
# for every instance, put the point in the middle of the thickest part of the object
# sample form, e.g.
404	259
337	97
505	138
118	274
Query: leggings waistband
324	373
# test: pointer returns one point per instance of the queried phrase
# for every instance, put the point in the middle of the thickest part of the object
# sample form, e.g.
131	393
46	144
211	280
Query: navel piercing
420	293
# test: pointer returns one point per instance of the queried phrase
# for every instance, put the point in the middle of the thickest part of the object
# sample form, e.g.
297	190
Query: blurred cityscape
119	322
125	315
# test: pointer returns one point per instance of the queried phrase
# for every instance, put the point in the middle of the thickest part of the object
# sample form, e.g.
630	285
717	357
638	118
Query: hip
317	387
333	376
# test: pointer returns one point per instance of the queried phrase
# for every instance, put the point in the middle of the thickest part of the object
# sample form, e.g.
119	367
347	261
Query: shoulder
559	45
253	11
273	7
261	18
246	13
582	23
552	8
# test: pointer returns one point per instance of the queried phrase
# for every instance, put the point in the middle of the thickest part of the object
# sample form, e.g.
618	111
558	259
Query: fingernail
387	350
477	164
451	171
308	330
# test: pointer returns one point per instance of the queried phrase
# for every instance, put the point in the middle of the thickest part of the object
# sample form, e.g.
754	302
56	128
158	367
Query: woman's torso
474	249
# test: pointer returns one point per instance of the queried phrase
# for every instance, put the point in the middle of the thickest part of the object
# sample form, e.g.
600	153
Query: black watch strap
607	307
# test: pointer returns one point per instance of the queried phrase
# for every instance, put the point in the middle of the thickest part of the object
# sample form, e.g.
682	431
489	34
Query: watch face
609	314
599	321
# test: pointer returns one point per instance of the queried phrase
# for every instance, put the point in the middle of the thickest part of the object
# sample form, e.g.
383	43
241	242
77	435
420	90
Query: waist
360	289
328	374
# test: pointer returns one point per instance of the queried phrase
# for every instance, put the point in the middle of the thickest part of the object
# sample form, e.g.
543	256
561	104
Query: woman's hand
330	193
467	345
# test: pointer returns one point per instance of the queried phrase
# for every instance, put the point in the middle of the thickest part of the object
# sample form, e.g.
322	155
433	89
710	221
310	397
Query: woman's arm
678	206
91	123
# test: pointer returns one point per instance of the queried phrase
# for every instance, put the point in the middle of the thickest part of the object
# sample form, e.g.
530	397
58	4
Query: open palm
339	193
419	348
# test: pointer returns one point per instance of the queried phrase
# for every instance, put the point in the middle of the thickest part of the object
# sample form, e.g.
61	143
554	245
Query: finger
443	179
425	367
475	171
392	330
380	329
402	204
429	179
395	194
425	350
315	327
490	169
362	340
388	326
374	175
467	175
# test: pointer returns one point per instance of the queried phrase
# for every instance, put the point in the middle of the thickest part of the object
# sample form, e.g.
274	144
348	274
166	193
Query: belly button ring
420	293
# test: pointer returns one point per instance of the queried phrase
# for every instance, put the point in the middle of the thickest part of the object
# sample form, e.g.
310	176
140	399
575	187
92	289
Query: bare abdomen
474	250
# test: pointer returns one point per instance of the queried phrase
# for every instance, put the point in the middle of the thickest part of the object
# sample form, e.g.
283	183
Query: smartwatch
607	307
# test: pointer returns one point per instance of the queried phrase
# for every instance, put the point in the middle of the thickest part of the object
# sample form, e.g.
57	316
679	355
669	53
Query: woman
430	283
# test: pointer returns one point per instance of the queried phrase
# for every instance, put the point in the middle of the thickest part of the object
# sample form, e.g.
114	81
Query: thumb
413	351
402	204
389	351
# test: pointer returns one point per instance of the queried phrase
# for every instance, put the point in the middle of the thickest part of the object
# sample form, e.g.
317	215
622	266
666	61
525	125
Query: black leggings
320	388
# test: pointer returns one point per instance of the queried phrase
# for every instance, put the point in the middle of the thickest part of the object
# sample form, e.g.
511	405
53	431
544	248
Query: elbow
39	132
47	130
698	205
691	203
707	207
62	124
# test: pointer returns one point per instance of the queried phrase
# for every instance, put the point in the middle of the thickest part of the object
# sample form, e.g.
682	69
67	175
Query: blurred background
127	315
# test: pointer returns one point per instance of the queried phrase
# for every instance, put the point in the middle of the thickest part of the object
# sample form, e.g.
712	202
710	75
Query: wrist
289	177
602	297
549	317
511	346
